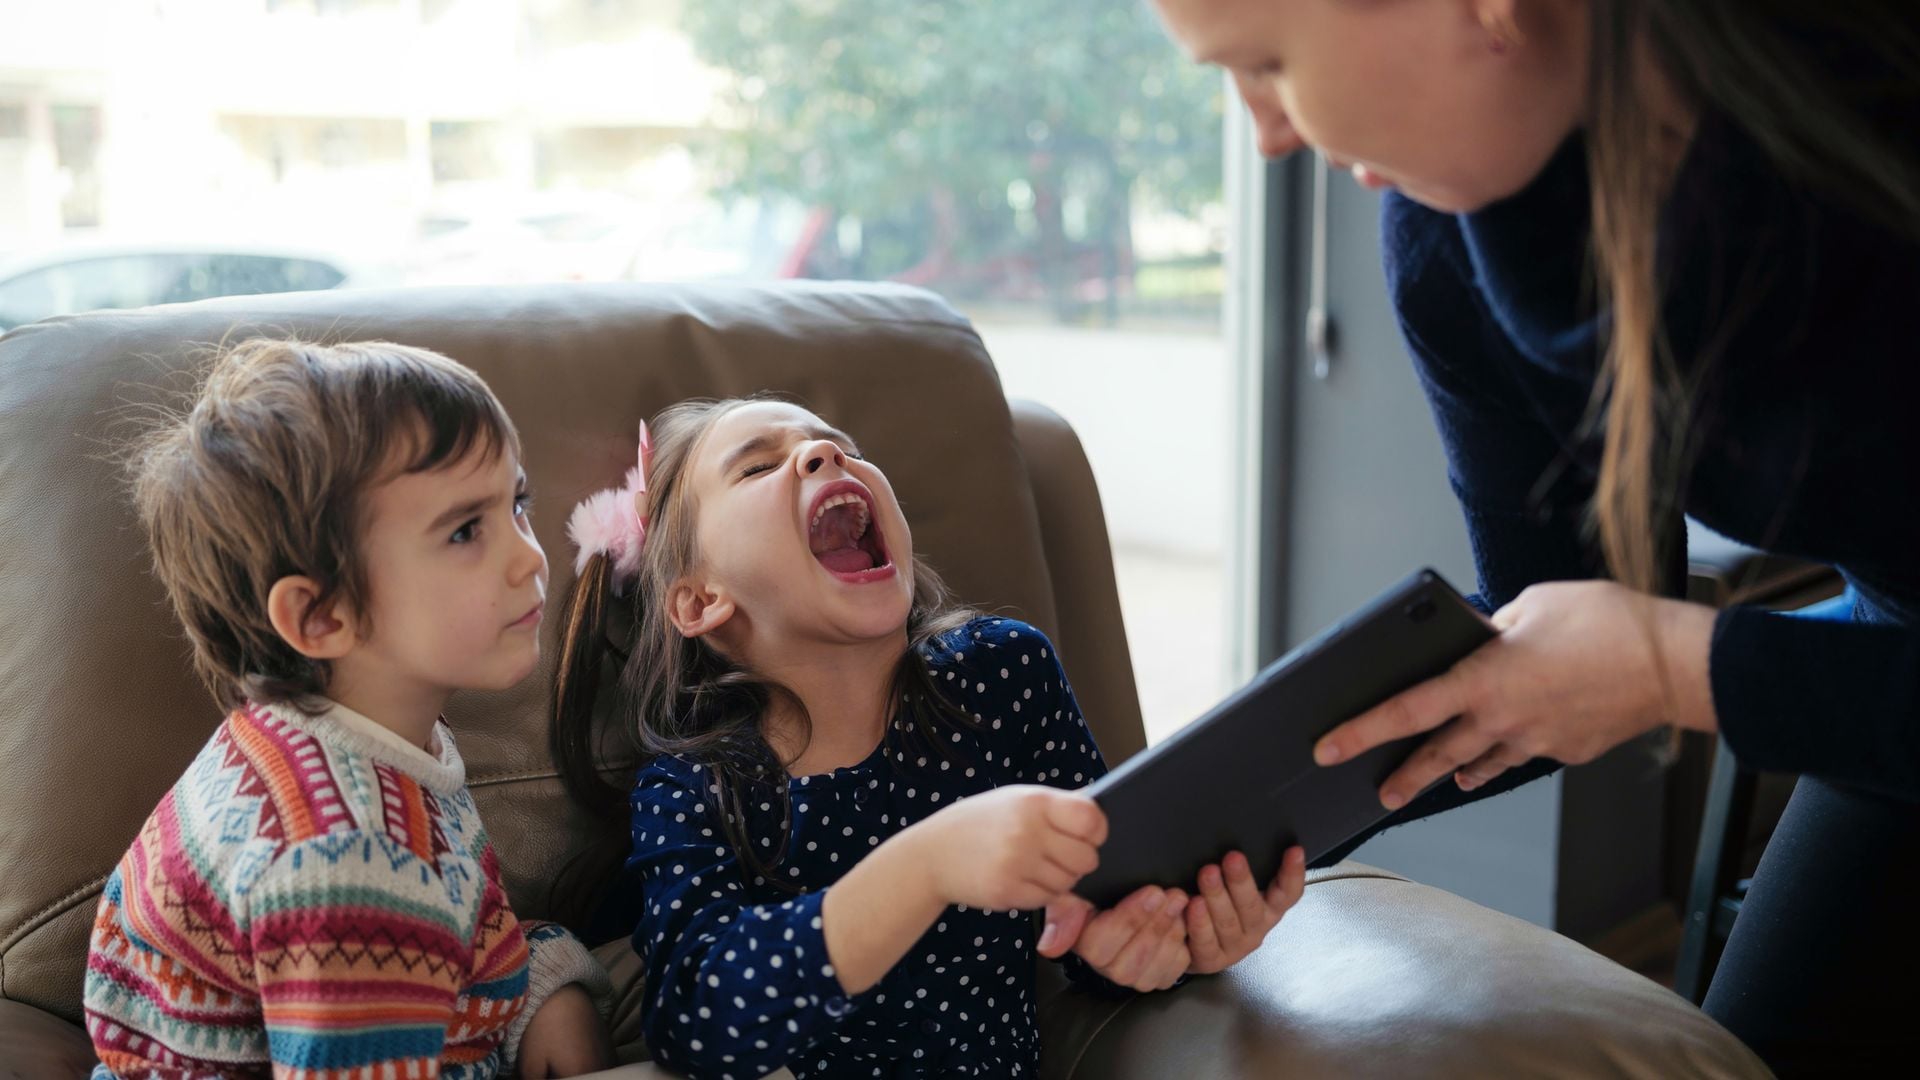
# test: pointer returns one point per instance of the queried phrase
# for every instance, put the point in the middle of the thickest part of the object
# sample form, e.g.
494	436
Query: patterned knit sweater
316	896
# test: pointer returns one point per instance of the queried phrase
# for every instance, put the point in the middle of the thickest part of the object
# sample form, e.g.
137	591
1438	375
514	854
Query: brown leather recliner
1369	975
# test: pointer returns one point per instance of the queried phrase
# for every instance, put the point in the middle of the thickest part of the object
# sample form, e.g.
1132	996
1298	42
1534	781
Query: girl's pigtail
573	740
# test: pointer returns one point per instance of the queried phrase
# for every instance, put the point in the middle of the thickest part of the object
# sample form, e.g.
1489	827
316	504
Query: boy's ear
316	633
697	610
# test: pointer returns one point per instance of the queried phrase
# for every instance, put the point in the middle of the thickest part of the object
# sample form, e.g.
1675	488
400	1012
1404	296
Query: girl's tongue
846	560
836	541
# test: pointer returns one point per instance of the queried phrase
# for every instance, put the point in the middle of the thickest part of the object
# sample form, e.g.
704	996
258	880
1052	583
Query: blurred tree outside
992	149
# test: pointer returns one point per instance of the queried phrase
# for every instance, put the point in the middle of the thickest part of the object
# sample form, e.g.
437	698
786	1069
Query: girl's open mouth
842	536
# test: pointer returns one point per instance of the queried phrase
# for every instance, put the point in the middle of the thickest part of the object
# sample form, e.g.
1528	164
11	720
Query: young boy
343	533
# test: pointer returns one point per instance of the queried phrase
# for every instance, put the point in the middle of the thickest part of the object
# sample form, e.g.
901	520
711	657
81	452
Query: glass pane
1053	167
85	285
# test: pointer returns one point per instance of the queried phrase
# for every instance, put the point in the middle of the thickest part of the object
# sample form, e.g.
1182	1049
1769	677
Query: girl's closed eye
755	469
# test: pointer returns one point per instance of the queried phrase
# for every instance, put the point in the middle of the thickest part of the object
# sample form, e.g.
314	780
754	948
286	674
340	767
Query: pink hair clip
610	522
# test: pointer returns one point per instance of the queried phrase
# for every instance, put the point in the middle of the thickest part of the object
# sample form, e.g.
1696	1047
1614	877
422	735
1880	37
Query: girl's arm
733	987
1009	849
736	987
1139	944
877	911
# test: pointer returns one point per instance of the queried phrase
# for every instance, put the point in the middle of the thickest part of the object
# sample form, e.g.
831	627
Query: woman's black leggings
1815	976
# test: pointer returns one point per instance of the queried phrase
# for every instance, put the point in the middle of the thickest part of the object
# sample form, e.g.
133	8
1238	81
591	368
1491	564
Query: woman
1656	257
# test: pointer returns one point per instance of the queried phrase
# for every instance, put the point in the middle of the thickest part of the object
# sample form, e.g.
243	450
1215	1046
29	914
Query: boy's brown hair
266	476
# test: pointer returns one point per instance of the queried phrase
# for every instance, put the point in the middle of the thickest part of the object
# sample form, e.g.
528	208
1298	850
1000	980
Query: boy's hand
1139	943
1012	848
1231	916
565	1037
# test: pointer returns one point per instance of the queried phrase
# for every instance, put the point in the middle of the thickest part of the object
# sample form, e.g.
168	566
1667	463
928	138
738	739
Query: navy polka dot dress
738	979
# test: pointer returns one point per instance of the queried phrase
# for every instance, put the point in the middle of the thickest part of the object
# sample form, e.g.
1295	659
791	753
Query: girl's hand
565	1037
1578	669
1139	943
1231	916
1012	848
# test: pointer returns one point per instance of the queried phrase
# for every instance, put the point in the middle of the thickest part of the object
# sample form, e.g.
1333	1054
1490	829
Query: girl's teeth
843	500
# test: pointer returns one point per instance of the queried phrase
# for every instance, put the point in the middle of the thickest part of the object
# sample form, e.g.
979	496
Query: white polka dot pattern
738	979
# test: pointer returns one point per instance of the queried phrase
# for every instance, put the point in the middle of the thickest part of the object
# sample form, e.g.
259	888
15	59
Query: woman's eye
465	534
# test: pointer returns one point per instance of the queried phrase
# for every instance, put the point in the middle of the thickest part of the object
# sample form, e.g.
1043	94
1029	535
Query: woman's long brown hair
679	695
1825	88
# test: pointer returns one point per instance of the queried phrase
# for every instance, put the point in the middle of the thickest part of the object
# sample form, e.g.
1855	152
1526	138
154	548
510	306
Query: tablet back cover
1242	777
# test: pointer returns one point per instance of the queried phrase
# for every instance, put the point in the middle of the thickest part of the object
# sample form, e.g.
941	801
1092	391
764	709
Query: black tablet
1242	777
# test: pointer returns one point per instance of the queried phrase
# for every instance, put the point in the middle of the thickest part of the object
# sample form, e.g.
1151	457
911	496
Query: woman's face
1419	95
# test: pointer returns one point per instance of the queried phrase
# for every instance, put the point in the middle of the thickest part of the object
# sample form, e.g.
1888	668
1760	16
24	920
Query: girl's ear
696	609
317	633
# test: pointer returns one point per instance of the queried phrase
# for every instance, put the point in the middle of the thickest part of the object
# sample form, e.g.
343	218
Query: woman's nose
1272	128
817	454
1278	139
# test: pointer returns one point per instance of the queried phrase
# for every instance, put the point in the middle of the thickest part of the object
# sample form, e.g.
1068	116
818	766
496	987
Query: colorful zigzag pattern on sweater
298	906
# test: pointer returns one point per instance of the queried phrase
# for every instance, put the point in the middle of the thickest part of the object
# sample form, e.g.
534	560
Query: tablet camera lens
1420	610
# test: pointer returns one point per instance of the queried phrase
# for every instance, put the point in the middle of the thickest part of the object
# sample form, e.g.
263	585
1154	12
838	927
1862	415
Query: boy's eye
465	534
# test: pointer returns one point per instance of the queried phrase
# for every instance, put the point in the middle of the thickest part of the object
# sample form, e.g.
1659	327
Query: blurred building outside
511	141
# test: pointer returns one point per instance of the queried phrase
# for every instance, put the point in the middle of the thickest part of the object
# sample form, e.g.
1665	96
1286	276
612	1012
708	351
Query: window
1052	167
159	277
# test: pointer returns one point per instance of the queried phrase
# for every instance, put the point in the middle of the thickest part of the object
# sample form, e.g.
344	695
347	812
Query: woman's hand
1231	916
1139	943
1578	668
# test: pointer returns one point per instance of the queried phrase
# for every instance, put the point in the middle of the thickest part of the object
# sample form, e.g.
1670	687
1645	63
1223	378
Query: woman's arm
1836	700
1581	667
1578	668
1756	676
1522	496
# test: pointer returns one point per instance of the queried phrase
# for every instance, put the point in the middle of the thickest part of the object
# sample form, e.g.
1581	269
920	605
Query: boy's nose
530	558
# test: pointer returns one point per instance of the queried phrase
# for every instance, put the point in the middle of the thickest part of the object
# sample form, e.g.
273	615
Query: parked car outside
88	274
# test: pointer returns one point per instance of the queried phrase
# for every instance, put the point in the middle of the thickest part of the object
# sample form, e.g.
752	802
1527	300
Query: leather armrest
1374	975
40	1046
1073	527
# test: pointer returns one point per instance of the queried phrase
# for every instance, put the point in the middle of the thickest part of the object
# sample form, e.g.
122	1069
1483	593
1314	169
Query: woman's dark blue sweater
1798	320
